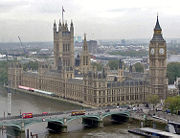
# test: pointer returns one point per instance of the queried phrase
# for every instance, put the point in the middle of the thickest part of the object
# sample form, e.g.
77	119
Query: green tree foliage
3	72
173	103
30	65
113	64
153	99
139	67
99	66
173	71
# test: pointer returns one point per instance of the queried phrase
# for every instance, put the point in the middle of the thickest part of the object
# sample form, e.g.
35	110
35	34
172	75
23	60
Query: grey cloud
10	5
49	6
125	10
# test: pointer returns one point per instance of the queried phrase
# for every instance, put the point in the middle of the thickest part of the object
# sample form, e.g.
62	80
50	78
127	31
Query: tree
3	72
173	103
99	66
153	99
30	65
139	67
113	64
173	71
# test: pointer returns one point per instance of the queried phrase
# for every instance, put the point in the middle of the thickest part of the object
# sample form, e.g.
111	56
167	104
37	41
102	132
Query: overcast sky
32	20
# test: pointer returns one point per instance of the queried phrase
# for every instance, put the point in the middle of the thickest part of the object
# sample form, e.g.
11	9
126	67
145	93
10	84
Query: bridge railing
55	113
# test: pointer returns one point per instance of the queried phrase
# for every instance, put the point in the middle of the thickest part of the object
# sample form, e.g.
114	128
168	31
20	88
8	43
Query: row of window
119	98
85	60
66	47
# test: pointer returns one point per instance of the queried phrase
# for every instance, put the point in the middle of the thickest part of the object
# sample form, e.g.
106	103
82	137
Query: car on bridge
107	110
44	113
74	113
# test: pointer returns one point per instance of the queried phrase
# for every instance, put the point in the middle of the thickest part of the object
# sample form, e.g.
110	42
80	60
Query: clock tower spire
157	63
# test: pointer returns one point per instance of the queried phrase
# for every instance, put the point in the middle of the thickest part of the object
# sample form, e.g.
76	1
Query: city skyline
33	20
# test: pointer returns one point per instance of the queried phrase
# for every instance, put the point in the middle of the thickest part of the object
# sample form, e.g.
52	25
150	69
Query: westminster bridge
59	121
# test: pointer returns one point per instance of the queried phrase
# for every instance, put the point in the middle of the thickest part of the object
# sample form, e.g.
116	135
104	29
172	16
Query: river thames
30	103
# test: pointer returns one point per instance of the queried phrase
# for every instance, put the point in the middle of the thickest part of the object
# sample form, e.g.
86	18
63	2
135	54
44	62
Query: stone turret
72	28
42	68
64	45
60	27
15	69
85	57
120	71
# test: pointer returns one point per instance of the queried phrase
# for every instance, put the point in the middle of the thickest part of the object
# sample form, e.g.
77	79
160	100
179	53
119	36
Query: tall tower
157	61
85	57
120	71
64	45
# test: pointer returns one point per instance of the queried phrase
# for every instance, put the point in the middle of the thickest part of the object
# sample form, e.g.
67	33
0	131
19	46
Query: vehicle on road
159	109
168	111
27	115
178	112
74	113
44	113
107	110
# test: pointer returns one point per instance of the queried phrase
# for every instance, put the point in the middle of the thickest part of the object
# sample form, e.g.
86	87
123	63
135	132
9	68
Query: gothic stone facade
83	83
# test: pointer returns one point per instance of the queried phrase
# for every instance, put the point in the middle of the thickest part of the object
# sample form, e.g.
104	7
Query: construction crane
6	55
21	46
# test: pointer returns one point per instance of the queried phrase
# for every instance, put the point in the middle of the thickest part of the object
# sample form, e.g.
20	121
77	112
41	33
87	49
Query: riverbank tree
173	103
153	99
3	72
173	71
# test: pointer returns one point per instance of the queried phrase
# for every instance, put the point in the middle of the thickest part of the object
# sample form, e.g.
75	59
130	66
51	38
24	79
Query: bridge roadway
92	117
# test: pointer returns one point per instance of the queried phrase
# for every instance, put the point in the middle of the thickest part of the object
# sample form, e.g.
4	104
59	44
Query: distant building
177	84
172	90
123	42
92	46
79	38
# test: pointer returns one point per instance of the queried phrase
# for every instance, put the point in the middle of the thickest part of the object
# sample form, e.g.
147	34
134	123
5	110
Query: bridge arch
56	125
92	116
117	116
83	117
13	125
91	121
73	118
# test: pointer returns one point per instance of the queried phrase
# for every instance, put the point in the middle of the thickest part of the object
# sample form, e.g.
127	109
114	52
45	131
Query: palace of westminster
76	79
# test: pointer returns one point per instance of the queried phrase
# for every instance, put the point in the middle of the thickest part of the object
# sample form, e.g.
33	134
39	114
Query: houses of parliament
75	79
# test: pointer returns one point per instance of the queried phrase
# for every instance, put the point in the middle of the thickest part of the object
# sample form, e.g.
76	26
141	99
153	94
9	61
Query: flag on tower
63	9
62	14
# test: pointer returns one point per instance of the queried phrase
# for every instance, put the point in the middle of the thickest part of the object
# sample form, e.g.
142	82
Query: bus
26	88
27	115
74	113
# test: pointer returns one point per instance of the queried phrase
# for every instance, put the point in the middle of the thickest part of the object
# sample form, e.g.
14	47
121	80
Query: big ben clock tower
158	65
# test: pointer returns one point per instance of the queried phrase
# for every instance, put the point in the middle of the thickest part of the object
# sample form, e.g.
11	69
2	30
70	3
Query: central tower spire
157	26
157	36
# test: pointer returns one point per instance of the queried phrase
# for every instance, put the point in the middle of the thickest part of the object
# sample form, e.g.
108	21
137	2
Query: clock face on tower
152	51
161	51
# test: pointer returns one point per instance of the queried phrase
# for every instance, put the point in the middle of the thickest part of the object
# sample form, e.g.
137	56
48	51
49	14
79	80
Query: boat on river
151	132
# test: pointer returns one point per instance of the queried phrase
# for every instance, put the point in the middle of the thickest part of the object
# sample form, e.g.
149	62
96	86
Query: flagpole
62	16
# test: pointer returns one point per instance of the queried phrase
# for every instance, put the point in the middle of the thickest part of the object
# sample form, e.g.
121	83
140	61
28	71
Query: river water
29	103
